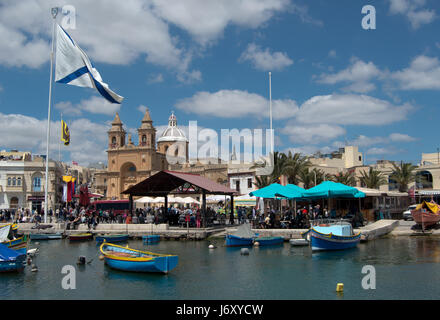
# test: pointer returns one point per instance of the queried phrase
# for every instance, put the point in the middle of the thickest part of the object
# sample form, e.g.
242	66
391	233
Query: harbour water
406	268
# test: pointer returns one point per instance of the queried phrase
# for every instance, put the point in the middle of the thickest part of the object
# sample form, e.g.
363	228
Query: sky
333	82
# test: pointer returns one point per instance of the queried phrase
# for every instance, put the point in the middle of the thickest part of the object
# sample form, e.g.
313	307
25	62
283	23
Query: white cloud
94	104
88	140
423	73
414	11
158	78
350	109
264	59
205	21
400	137
312	134
142	109
359	74
236	104
332	53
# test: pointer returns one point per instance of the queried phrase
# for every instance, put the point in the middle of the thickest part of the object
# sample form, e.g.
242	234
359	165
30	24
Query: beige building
22	182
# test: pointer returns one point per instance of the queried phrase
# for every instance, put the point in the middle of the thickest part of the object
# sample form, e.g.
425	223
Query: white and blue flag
74	67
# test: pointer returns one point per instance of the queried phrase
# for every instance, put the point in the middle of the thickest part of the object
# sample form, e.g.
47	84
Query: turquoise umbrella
269	192
330	189
291	191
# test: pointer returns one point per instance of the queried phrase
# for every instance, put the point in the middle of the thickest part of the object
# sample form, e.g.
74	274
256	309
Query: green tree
346	178
403	174
313	177
372	179
264	181
292	165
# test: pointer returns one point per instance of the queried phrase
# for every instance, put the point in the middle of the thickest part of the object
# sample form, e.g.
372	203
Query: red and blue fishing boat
112	238
11	260
337	236
127	259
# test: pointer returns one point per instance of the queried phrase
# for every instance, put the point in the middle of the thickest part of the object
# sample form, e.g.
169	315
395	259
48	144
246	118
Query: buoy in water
340	287
34	268
101	257
244	251
256	244
211	246
29	261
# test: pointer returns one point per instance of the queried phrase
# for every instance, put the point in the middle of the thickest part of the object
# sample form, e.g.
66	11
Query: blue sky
332	81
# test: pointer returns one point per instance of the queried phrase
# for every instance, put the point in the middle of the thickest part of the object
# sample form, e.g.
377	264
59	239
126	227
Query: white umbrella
190	200
144	200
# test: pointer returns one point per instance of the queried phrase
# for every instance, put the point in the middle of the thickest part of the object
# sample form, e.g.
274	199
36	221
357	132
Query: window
114	140
9	181
18	181
249	183
237	185
14	181
360	158
36	184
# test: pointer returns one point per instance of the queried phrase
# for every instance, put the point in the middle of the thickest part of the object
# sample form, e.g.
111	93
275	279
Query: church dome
172	133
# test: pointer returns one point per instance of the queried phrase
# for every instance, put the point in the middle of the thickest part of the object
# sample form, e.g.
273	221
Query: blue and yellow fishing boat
269	241
11	260
336	236
8	237
127	259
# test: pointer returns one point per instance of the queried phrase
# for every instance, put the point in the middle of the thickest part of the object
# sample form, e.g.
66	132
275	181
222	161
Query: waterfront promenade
370	232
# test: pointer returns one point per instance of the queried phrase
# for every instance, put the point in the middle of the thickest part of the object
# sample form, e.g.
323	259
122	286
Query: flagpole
54	12
270	111
59	141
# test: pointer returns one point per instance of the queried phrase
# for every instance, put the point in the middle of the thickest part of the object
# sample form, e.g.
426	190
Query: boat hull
81	237
425	217
112	238
151	239
11	260
320	241
137	261
269	241
45	236
233	241
298	242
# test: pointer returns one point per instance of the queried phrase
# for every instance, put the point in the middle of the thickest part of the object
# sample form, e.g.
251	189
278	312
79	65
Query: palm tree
346	178
264	181
373	179
311	178
292	166
403	175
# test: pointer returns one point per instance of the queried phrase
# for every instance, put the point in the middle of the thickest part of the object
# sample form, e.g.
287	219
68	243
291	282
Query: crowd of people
179	216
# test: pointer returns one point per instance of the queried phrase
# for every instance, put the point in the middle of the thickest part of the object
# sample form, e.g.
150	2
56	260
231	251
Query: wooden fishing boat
81	237
19	244
11	260
112	238
336	236
45	236
126	259
269	241
243	237
153	238
426	214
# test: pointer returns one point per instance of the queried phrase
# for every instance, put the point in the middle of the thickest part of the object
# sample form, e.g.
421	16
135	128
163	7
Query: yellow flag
65	134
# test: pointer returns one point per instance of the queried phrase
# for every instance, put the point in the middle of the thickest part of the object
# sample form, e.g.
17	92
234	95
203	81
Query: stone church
129	164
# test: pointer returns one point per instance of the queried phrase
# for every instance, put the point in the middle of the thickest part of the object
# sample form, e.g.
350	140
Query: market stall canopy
370	192
165	182
330	189
245	201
